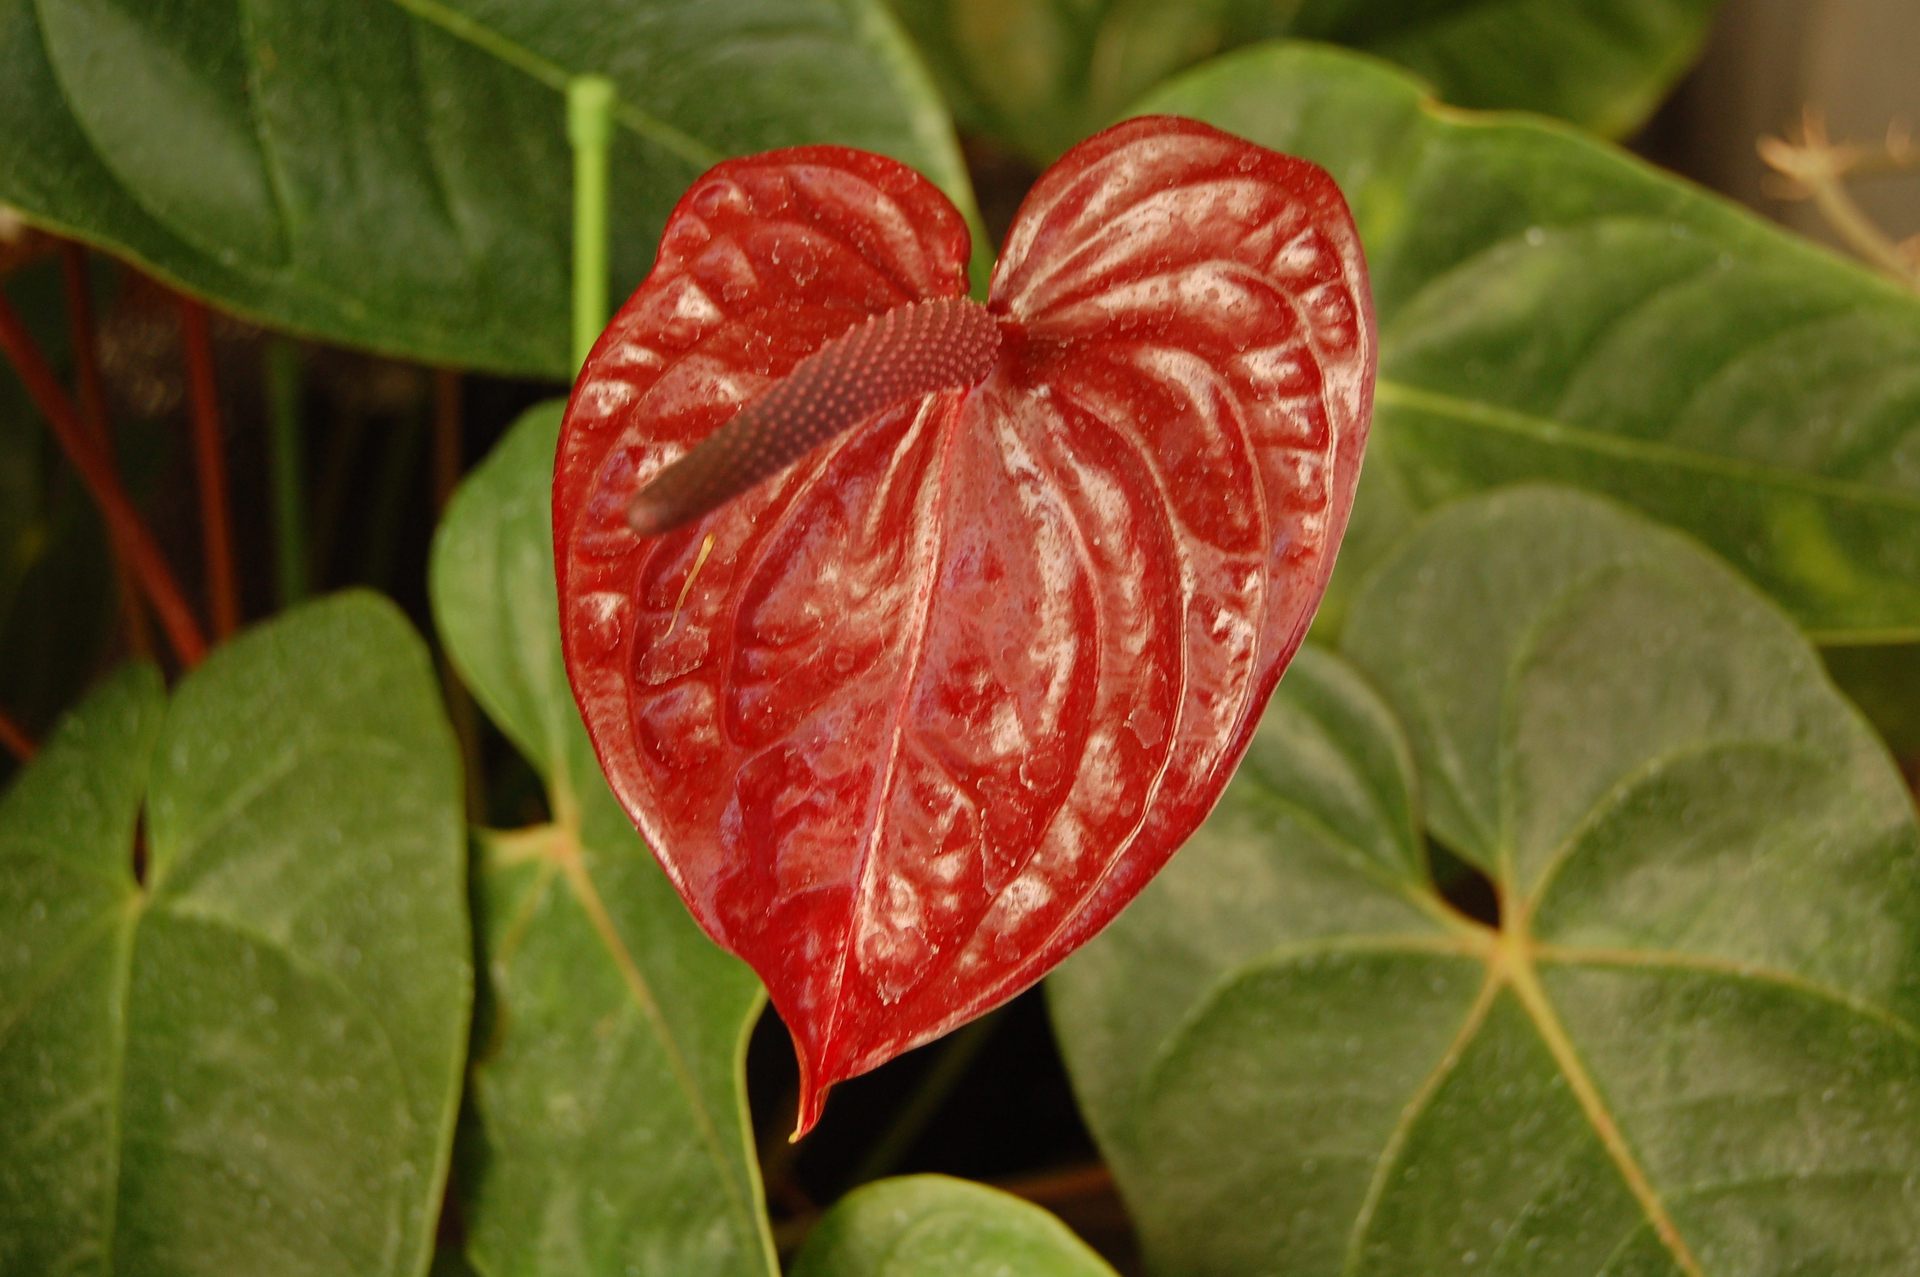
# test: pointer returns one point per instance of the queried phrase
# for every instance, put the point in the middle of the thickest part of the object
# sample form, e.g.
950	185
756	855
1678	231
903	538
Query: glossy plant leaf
1040	75
914	718
612	1132
249	1061
932	1226
395	174
1689	1046
1553	309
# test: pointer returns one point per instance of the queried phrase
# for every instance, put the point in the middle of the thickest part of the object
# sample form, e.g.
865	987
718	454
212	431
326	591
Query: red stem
216	523
86	353
128	530
93	398
15	738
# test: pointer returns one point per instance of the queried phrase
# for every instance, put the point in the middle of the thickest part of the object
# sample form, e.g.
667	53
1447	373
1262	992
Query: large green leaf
932	1226
249	1062
1551	308
395	173
613	1135
1692	1043
1042	74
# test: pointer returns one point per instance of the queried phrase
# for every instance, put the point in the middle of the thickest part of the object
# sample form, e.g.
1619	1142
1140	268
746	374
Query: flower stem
15	738
289	468
124	524
216	524
590	129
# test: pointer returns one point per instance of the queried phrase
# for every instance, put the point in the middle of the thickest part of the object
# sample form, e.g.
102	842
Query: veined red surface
948	691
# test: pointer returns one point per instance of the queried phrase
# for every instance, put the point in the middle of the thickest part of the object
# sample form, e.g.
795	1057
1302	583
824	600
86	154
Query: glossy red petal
945	695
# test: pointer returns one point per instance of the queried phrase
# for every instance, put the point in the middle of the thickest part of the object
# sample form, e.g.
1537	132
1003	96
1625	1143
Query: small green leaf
1551	308
1041	75
612	1133
1689	1046
938	1227
395	173
251	1061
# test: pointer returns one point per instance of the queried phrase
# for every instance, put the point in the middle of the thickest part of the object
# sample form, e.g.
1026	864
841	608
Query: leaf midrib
561	846
556	77
1512	963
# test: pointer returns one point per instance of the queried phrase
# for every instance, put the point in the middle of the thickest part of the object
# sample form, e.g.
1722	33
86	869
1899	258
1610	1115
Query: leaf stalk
84	333
210	463
124	524
16	739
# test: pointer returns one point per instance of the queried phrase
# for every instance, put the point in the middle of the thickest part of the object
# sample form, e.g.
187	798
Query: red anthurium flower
916	716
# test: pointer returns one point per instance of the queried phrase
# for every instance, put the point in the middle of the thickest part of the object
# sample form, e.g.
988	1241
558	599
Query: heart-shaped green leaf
1551	308
395	173
932	1226
1041	75
250	1061
1692	1043
613	1133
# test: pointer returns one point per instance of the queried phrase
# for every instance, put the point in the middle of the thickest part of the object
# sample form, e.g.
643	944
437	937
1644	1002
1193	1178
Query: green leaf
395	174
1691	1044
250	1061
941	1227
1550	308
1041	75
612	1132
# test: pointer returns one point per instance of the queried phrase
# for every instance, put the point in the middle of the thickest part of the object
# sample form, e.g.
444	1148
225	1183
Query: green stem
590	129
956	1057
289	465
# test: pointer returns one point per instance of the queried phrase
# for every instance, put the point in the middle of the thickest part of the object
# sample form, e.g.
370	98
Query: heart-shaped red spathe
912	720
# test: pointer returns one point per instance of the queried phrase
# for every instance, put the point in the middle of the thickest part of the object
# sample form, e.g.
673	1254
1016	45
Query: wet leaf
1041	75
395	174
940	1227
915	717
612	1129
250	1061
1691	1044
1553	309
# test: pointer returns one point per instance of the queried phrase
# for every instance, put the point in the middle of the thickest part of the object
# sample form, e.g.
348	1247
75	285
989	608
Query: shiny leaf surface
612	1131
909	722
1041	75
395	173
250	1062
932	1226
1553	309
1689	1046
